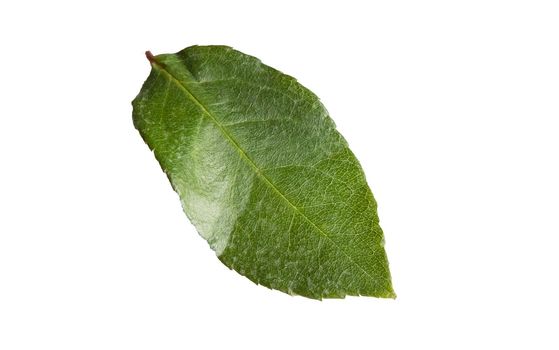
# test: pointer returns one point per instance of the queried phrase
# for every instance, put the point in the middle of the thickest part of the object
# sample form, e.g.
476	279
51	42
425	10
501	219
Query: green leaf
263	174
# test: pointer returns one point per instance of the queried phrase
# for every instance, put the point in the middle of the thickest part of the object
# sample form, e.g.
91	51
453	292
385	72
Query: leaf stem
150	57
152	60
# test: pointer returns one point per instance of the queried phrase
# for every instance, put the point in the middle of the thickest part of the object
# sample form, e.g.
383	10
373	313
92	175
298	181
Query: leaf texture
263	174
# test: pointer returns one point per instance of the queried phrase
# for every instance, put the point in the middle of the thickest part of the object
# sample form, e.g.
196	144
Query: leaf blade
243	189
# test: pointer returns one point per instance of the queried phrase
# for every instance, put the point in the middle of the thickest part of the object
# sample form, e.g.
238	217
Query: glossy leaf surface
263	174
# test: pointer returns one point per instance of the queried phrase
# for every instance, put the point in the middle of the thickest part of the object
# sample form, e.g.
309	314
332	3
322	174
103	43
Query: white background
450	106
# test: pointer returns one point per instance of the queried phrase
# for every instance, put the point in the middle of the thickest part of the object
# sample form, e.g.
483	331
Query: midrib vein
251	163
